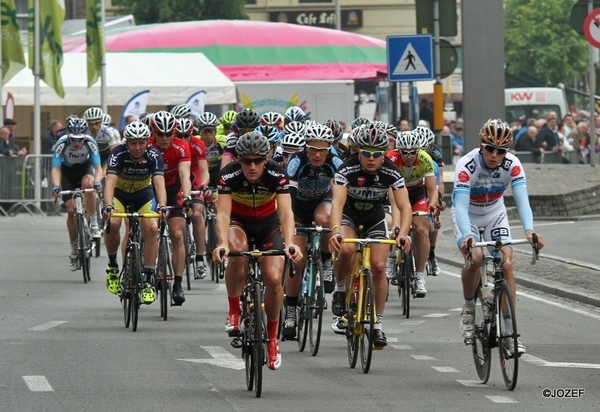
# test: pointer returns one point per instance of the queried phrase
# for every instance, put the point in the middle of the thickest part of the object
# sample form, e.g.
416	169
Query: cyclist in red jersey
200	178
254	203
177	160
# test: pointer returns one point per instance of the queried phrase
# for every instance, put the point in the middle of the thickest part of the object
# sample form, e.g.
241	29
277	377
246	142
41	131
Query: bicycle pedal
468	341
378	347
237	343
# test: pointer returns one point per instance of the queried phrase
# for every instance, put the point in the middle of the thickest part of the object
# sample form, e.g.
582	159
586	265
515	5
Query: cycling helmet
294	114
318	133
136	130
247	119
93	114
496	133
252	143
310	123
428	134
372	136
163	122
146	118
75	125
294	127
352	137
270	132
408	140
292	142
106	119
271	119
228	117
184	125
336	129
390	129
181	110
421	138
359	121
206	120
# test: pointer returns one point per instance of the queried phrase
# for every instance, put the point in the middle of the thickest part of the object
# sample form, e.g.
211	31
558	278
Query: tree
162	11
540	41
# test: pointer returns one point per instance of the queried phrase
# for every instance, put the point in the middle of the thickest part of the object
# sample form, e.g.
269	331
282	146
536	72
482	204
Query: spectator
458	142
531	143
6	147
51	137
425	111
569	123
523	130
567	147
11	125
549	134
403	125
129	119
578	139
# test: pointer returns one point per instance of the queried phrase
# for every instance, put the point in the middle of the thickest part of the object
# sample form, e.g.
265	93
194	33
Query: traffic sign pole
438	94
592	82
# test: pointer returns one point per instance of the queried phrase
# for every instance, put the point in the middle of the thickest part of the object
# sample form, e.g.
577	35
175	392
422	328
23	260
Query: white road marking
392	331
436	315
37	383
48	325
541	362
221	288
445	369
402	347
470	384
456	309
422	357
538	224
392	340
220	357
411	322
501	399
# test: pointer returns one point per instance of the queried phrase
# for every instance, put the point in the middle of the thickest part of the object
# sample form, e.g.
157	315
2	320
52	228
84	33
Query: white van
536	102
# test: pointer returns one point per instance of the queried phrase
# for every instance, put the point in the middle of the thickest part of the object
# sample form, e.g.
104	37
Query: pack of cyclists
275	171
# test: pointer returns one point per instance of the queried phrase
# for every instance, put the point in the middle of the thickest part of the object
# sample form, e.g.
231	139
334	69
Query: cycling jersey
367	191
106	138
134	175
436	155
198	152
310	182
177	152
252	201
214	154
66	155
414	175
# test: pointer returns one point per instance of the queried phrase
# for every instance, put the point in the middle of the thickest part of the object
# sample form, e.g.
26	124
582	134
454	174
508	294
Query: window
315	1
250	1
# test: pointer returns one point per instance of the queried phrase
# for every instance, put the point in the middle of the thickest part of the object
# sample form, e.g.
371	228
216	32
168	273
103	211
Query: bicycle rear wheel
135	288
82	248
126	294
210	247
482	350
258	339
367	323
352	338
247	333
303	312
507	338
315	306
190	254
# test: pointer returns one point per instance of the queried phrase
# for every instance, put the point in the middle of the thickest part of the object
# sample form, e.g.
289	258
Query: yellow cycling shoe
112	280
148	294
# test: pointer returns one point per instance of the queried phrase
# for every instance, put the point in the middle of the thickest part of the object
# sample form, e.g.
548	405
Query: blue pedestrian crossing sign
410	58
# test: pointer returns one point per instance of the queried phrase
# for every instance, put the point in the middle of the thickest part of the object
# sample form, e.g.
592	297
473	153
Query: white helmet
408	140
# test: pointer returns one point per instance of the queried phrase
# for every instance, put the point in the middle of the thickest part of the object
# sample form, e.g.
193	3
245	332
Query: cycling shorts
265	233
373	224
72	176
304	212
418	199
142	201
495	226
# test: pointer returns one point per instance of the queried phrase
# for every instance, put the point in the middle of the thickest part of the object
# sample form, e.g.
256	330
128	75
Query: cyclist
416	167
105	138
338	134
294	114
200	177
207	124
245	121
182	111
310	172
226	123
76	164
134	175
176	159
435	152
291	143
254	203
361	185
274	136
480	180
272	119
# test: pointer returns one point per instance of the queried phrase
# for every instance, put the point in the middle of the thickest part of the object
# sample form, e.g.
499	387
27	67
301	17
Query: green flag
94	39
13	59
52	14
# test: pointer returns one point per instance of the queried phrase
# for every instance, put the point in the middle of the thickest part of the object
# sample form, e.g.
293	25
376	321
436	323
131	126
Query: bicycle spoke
482	350
508	337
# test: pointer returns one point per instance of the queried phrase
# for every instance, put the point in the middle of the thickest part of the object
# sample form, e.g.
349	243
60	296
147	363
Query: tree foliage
540	41
162	11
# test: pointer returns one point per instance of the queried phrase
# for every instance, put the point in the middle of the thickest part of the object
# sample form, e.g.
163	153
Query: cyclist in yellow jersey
416	167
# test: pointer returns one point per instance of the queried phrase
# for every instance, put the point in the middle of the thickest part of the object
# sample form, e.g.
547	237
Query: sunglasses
161	134
208	129
315	150
408	152
492	149
375	155
76	139
286	154
95	123
248	161
184	135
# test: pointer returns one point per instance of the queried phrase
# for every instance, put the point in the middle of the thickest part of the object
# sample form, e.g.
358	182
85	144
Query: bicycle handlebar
313	229
368	241
497	244
72	192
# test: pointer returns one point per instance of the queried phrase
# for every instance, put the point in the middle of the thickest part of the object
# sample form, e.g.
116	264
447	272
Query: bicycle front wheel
190	254
507	337
161	276
82	248
482	350
352	337
135	302
315	305
210	247
126	294
258	320
367	322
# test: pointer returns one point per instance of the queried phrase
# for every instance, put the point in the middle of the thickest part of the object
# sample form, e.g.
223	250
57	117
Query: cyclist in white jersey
104	138
107	121
480	179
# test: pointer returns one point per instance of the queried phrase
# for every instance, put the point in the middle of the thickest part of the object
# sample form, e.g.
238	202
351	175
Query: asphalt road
63	347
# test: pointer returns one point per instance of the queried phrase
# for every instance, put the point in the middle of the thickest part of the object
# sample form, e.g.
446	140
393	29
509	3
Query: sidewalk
549	275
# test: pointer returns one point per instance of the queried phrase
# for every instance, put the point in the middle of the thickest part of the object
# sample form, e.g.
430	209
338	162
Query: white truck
321	100
536	102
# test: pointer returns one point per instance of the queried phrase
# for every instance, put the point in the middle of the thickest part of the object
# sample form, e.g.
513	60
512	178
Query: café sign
350	18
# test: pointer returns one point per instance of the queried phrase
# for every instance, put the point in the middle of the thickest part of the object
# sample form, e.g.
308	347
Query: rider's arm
184	177
460	202
402	204
338	200
158	181
523	207
432	192
56	176
223	218
226	159
286	217
109	188
205	176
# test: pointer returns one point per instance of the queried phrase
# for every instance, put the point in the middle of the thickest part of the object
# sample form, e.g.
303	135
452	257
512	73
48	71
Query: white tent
170	77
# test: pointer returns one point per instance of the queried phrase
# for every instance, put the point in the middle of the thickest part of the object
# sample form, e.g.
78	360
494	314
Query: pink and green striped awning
256	50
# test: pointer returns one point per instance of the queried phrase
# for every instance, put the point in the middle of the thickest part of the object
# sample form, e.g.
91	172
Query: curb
544	285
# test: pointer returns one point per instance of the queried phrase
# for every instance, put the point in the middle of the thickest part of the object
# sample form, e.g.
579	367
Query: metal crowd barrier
18	185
